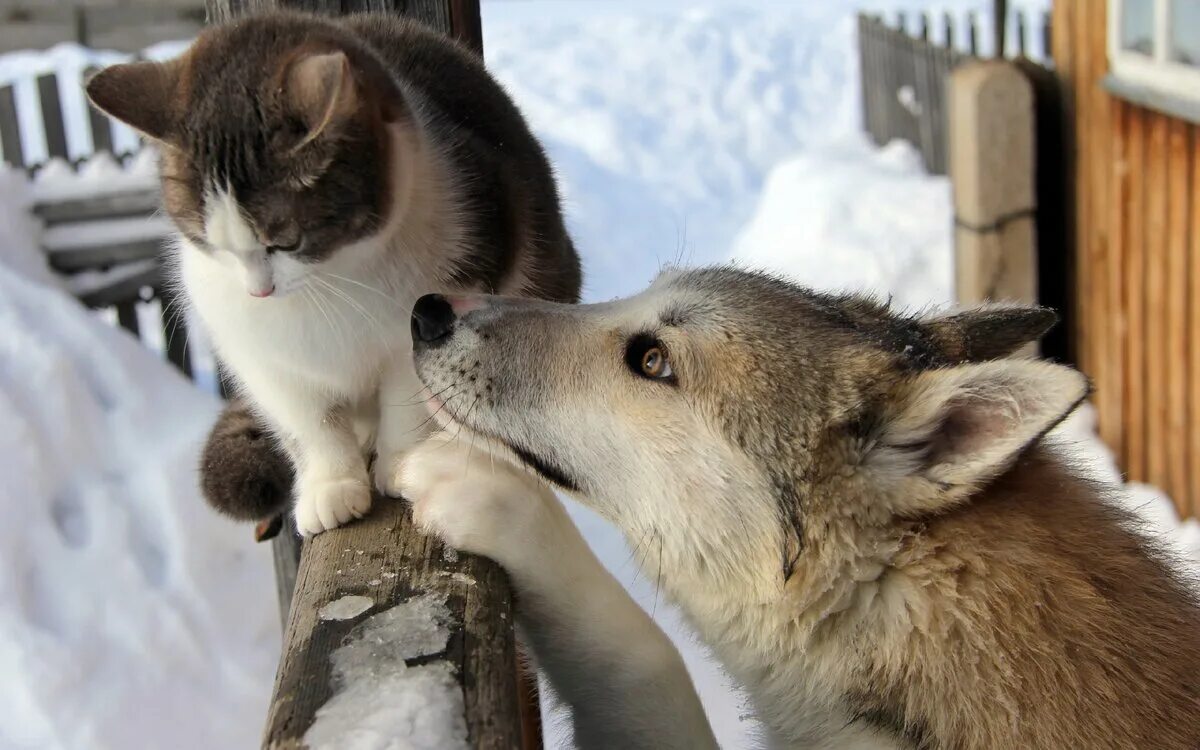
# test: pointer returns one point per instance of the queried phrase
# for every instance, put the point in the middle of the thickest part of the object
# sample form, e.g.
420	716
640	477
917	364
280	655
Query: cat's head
277	136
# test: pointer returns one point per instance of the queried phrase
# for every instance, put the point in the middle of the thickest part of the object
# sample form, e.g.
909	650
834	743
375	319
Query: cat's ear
321	89
949	431
144	95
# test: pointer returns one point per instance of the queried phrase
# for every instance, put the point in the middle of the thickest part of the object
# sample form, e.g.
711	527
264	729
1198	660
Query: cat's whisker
168	335
368	287
355	331
316	301
375	325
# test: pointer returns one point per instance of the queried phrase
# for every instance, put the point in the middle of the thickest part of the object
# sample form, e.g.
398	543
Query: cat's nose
432	320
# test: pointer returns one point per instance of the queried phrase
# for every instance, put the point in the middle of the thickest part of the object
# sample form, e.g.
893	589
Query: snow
346	608
680	133
19	230
101	174
382	703
87	282
849	217
121	590
86	234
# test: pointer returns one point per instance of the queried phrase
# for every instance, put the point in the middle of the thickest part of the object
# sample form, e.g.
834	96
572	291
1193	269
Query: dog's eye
647	357
655	364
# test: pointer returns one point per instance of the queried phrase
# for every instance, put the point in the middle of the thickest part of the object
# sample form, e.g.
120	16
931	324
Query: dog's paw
475	502
326	504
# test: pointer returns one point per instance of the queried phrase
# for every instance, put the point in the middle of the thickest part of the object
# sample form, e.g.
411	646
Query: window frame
1158	73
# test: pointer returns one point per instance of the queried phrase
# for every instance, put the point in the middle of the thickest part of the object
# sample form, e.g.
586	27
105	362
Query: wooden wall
1137	263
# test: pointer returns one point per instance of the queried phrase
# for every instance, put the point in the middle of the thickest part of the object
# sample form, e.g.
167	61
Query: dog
854	508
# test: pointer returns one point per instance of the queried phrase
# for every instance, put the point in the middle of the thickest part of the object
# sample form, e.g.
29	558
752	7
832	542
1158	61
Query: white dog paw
473	502
326	504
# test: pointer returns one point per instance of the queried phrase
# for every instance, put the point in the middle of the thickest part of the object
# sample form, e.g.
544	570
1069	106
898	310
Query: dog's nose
432	319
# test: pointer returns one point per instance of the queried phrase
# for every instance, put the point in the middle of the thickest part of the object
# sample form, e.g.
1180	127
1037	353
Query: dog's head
724	399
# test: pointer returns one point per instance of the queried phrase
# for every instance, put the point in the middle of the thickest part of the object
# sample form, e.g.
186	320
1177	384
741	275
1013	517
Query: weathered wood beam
383	558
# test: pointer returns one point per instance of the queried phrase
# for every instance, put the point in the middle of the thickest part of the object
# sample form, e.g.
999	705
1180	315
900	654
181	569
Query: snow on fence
95	193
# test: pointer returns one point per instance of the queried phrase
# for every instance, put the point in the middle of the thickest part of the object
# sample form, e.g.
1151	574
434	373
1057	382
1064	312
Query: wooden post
1055	261
992	171
382	562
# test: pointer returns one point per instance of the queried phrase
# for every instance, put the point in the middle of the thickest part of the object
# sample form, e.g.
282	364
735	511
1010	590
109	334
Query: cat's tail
244	473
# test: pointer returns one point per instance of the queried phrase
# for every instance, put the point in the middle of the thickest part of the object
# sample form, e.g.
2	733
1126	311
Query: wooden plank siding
1136	246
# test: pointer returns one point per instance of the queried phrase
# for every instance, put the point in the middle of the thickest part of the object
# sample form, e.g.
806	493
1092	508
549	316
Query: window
1155	44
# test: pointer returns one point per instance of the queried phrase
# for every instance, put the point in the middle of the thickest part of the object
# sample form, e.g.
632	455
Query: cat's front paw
474	502
385	472
326	504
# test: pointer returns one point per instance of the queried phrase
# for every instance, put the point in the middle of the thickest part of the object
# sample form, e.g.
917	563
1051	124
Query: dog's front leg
622	677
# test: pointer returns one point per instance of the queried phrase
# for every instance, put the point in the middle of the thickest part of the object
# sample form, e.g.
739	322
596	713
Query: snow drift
132	615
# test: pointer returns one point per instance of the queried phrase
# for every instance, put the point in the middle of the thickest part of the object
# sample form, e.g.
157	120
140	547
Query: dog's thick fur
856	510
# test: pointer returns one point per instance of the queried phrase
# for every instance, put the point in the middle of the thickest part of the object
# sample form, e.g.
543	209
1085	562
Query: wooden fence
905	67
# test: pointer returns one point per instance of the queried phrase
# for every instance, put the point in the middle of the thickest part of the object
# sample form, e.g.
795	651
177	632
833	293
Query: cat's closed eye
288	247
284	237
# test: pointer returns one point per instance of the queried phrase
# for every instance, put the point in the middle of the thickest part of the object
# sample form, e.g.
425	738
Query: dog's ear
947	432
988	332
141	94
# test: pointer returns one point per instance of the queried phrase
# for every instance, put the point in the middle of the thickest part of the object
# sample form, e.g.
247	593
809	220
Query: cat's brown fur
334	170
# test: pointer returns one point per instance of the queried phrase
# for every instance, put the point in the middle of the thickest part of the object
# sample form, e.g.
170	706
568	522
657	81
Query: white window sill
1173	105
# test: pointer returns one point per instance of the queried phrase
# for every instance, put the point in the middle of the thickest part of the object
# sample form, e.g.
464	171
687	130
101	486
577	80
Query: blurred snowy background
683	132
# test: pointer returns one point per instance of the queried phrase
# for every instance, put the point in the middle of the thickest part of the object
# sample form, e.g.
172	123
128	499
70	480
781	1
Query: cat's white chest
336	333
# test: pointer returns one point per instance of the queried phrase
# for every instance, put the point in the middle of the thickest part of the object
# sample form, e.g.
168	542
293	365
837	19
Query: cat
323	174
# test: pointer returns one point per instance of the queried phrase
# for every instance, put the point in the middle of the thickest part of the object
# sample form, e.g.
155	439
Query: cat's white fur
322	350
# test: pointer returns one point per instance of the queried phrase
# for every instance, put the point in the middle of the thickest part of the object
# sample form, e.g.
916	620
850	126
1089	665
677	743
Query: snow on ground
681	133
132	616
850	217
